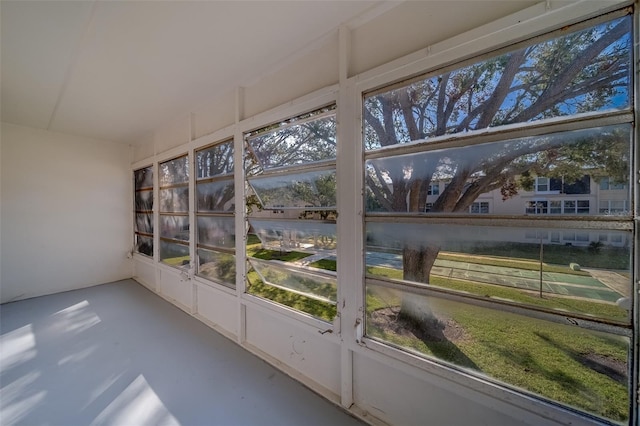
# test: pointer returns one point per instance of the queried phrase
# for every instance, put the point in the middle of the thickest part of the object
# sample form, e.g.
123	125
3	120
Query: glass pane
577	367
307	283
215	161
174	254
217	231
144	223
175	227
501	170
174	200
144	245
144	200
174	171
303	143
216	266
216	196
143	178
578	72
310	190
296	235
583	275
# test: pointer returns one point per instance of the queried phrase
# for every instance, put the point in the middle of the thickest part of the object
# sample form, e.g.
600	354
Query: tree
580	72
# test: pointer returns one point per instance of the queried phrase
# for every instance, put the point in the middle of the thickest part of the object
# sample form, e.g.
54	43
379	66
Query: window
174	212
614	207
434	189
479	207
499	298
542	184
608	183
215	222
291	167
143	200
537	207
575	207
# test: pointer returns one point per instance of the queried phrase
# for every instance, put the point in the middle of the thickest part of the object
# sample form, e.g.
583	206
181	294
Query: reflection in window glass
174	172
174	208
316	190
216	232
143	206
516	264
308	142
174	200
502	169
578	367
174	254
217	266
216	196
174	227
306	236
215	161
517	87
315	285
291	173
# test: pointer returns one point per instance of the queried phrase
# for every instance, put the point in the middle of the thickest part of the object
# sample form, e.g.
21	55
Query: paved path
604	285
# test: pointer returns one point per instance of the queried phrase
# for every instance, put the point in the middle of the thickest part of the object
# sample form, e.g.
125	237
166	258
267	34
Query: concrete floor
118	354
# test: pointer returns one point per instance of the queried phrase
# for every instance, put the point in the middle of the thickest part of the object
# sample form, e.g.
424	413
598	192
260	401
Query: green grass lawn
541	357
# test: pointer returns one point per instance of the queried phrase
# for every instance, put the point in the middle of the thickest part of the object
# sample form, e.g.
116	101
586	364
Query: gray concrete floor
118	354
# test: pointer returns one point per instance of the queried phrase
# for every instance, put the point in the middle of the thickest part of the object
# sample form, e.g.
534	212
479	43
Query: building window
608	184
434	189
215	222
143	201
479	207
469	290
614	207
537	207
291	167
542	184
174	212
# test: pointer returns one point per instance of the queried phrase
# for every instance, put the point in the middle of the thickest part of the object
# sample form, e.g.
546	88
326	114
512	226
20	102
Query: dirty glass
174	227
297	235
174	172
217	231
174	254
216	196
505	171
214	161
306	190
578	72
304	143
143	178
528	266
585	369
217	266
174	200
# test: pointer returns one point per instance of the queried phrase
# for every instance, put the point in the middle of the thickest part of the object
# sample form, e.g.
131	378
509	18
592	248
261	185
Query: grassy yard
574	366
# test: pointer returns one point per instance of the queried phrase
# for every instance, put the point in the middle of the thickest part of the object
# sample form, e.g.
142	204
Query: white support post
240	212
349	224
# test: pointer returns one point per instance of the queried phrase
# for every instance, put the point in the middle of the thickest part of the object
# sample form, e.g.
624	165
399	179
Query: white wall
66	212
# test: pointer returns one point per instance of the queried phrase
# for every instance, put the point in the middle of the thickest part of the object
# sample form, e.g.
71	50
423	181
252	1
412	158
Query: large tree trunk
417	263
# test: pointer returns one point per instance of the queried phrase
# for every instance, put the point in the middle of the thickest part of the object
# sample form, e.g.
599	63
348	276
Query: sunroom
319	212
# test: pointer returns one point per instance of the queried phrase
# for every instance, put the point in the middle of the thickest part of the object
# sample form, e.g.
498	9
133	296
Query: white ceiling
117	70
